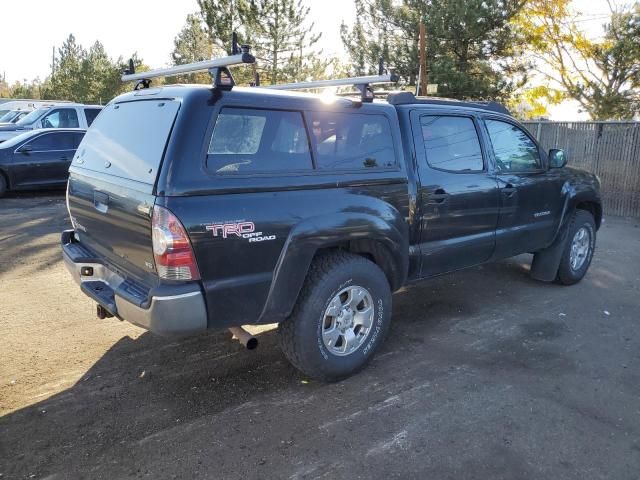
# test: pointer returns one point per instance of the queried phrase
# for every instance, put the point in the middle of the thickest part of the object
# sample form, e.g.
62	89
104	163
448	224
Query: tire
334	285
3	185
569	272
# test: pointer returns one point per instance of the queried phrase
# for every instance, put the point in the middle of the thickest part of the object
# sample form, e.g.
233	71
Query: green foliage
472	49
282	39
85	76
602	75
221	18
191	45
26	89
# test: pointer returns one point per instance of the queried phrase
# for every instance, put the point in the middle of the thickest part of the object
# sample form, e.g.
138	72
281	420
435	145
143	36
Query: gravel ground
485	374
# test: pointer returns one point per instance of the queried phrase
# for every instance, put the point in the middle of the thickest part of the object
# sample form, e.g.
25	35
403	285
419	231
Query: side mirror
26	149
557	158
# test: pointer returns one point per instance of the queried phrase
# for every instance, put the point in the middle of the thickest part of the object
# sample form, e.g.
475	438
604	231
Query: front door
459	198
530	194
45	159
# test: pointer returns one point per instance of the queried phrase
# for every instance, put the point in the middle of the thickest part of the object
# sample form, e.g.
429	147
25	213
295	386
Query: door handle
438	196
508	190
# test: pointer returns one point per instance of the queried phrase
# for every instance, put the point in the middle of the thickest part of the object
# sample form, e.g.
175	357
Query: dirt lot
485	374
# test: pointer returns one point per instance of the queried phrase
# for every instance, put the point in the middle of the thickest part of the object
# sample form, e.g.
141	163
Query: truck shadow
143	387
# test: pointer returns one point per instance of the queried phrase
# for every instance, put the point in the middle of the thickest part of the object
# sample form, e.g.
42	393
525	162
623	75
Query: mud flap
546	262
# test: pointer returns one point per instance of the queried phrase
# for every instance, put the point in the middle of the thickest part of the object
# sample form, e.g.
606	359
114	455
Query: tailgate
110	191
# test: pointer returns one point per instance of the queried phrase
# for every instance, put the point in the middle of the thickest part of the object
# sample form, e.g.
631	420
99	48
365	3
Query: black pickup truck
196	208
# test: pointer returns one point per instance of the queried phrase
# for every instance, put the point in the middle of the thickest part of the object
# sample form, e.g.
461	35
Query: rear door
458	196
530	196
112	181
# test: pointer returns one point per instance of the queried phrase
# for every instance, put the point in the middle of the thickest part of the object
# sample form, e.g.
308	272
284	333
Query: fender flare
547	261
327	231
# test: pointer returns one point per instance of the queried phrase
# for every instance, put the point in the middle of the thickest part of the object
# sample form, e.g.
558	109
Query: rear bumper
178	310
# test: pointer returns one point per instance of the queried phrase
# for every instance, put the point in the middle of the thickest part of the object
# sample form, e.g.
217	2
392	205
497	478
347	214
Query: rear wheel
341	318
3	185
579	249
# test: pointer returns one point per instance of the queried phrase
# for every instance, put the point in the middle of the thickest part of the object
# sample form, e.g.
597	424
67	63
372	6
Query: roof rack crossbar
362	84
206	65
370	79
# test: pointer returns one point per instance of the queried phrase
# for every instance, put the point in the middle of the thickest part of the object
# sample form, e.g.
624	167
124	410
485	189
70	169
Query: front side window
248	140
61	118
51	141
513	149
451	143
352	141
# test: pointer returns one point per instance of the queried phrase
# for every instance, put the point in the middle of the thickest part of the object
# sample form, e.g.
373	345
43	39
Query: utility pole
53	60
423	61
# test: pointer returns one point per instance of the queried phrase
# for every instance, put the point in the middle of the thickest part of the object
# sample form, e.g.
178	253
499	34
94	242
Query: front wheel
341	318
579	249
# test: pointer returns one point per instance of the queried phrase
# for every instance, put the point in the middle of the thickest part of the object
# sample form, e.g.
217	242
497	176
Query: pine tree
221	18
86	76
192	45
283	39
65	81
471	46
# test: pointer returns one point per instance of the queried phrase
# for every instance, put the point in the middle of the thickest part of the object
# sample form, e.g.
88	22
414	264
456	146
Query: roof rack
405	98
363	84
217	67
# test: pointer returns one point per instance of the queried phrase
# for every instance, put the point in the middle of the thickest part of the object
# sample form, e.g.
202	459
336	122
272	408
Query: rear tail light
171	247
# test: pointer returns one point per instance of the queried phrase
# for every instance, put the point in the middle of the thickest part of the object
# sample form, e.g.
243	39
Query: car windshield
3	113
13	141
33	116
9	116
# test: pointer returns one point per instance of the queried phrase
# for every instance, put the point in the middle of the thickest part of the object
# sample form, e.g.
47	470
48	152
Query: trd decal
246	230
226	229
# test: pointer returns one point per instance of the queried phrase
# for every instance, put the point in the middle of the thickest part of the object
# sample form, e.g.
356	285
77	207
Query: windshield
9	116
13	141
3	113
33	116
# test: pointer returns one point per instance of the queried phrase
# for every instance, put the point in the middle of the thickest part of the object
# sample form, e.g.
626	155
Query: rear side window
352	141
76	138
451	143
91	114
248	140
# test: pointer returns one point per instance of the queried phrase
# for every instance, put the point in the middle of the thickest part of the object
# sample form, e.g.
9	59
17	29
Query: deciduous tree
603	76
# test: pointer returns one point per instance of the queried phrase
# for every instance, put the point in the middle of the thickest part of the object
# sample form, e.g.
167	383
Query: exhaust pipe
244	337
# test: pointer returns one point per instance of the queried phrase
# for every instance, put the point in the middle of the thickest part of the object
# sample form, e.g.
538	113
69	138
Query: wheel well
374	251
595	209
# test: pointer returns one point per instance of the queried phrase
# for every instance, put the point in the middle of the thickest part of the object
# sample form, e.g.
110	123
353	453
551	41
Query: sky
126	26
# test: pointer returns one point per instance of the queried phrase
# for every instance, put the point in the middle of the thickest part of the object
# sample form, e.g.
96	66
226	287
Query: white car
60	115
